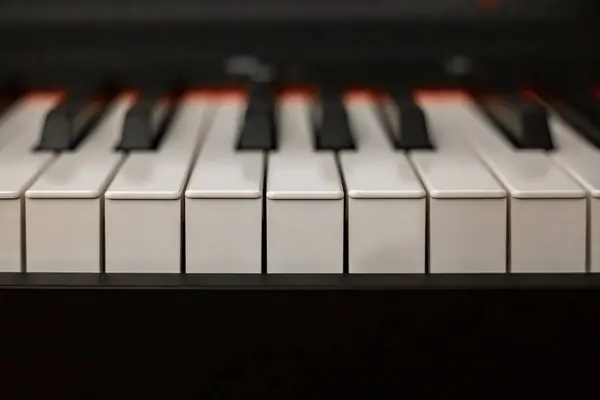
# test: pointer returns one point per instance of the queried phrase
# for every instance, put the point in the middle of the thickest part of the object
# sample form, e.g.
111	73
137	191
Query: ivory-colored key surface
547	207
305	199
299	176
19	167
581	160
467	214
224	200
64	206
225	125
10	118
467	205
386	202
443	126
143	204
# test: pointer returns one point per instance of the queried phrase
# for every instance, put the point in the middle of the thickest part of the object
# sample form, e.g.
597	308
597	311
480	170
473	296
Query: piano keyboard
353	183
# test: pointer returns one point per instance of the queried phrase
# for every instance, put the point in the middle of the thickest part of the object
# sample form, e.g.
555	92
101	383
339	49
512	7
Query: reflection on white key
582	161
19	167
305	199
386	202
547	207
223	205
467	205
64	206
143	204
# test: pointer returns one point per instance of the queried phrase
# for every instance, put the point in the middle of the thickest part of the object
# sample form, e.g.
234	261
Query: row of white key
472	205
19	167
547	208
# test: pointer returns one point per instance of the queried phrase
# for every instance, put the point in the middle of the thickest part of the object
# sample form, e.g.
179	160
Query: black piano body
305	324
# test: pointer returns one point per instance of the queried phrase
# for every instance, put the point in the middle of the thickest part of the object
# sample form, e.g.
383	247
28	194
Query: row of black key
523	121
69	123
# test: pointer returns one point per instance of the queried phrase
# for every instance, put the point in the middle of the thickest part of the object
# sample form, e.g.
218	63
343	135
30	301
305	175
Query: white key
19	167
223	205
566	139
64	206
143	204
467	205
386	202
582	161
467	214
225	124
443	125
305	200
8	118
547	207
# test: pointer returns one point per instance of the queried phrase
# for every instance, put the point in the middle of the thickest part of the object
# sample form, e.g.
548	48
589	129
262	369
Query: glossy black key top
71	121
524	122
332	130
406	123
147	121
583	114
259	130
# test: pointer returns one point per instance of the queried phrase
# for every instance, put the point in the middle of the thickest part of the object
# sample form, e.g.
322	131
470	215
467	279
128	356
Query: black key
332	130
583	114
72	120
8	98
147	121
409	130
524	122
259	130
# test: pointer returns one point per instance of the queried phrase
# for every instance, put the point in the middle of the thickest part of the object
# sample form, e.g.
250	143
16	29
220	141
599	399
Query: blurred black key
583	114
332	130
259	131
524	122
8	97
72	120
406	123
147	121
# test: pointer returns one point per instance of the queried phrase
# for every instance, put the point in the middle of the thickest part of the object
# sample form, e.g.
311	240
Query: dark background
508	43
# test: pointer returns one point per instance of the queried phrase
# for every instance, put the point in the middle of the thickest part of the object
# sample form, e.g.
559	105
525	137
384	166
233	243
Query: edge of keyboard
297	281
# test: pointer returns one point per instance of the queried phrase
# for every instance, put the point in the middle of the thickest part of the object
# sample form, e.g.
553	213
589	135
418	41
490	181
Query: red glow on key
488	4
